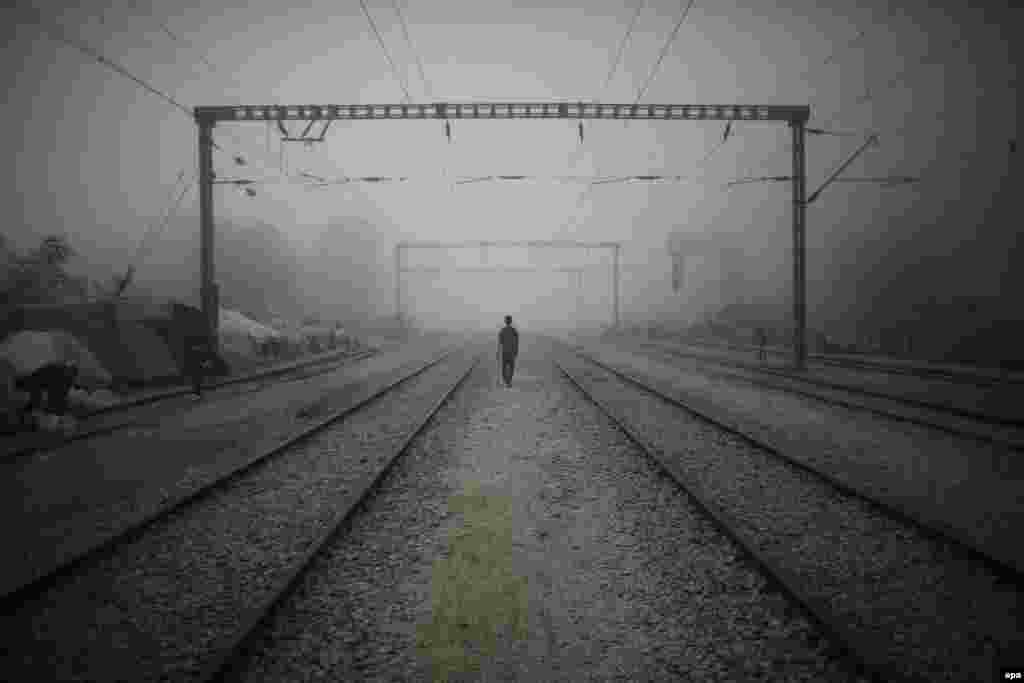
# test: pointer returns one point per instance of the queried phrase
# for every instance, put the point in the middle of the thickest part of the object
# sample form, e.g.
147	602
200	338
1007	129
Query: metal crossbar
505	110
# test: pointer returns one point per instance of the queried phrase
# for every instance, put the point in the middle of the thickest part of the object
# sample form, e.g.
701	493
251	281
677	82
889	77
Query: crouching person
55	381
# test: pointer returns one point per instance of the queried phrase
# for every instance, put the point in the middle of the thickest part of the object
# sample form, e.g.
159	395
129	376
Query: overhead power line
319	181
427	88
56	31
171	212
391	62
152	227
657	66
622	45
929	58
140	252
664	51
267	161
879	180
177	39
849	44
616	60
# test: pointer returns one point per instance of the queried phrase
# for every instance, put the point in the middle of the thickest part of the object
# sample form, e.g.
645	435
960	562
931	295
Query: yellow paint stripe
476	595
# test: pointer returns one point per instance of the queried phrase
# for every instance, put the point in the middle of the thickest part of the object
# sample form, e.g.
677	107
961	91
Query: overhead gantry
796	116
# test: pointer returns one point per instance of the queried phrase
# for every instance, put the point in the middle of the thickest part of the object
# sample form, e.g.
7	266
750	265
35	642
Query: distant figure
198	361
508	347
762	339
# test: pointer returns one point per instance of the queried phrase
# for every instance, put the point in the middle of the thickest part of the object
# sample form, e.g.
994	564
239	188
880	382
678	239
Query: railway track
524	511
983	377
976	425
37	576
132	413
907	600
163	599
254	578
988	380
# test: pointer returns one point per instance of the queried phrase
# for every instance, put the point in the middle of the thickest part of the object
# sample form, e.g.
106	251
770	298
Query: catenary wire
620	51
427	88
664	51
622	46
383	47
640	93
265	160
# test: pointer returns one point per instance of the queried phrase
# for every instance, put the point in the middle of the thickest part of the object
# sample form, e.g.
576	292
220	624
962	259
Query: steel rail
980	418
935	529
880	367
254	618
990	378
858	649
47	578
44	445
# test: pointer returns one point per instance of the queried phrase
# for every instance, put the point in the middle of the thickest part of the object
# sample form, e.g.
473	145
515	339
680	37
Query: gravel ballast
884	397
523	537
88	491
990	396
933	611
960	484
158	607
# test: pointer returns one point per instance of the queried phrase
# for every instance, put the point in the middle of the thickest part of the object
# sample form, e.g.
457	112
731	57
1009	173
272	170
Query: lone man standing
508	347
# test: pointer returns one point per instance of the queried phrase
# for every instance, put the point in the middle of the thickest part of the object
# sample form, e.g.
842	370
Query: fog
95	156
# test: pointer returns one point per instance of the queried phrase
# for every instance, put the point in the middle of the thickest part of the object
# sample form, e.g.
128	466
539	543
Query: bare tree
39	276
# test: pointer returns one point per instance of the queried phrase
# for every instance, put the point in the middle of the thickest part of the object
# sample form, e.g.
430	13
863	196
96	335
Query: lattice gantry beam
506	110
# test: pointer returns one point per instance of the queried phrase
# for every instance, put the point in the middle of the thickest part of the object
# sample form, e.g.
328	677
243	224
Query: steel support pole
398	283
207	276
615	284
799	247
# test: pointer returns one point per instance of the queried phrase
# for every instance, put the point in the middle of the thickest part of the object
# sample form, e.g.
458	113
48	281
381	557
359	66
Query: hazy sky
96	154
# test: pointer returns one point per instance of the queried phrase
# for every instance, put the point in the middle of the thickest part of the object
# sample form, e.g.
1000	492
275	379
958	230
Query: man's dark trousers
508	367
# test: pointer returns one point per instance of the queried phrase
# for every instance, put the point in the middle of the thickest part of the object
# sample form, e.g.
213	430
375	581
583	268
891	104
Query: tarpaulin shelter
30	350
237	332
119	336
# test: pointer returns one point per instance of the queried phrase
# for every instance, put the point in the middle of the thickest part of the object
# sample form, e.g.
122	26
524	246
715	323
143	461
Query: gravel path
91	490
969	487
523	538
158	607
933	613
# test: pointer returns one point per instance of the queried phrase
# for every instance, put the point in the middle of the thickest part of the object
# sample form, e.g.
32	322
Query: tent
29	350
233	322
237	332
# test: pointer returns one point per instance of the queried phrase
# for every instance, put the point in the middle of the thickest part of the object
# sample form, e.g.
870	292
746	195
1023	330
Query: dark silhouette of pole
398	283
207	277
615	284
799	247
